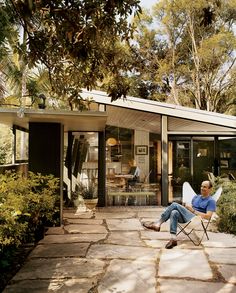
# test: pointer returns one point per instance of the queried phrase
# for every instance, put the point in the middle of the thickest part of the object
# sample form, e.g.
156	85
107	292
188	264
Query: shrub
226	206
26	205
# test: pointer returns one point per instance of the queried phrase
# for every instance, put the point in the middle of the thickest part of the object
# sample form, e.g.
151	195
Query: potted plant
89	194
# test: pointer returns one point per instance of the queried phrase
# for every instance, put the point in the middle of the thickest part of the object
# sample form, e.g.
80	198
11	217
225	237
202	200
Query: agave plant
87	191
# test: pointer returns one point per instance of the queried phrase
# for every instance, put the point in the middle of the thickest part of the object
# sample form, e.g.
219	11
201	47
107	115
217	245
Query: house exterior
170	144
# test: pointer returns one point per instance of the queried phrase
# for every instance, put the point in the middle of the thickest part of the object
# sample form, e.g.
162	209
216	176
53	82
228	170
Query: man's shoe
151	226
172	243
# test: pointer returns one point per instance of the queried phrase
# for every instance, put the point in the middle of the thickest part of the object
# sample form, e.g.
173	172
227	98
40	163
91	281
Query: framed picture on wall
141	150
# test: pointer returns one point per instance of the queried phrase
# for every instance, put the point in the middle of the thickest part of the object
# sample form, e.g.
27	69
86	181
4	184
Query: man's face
205	189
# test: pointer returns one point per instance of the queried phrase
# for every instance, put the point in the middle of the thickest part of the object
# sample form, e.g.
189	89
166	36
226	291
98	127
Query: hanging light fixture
111	141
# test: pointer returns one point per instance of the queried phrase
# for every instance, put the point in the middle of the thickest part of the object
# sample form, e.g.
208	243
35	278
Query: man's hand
190	208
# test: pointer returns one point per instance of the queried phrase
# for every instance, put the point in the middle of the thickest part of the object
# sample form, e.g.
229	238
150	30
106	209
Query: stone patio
111	252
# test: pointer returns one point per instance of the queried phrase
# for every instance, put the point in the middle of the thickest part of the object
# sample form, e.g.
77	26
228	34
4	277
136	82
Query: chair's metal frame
196	243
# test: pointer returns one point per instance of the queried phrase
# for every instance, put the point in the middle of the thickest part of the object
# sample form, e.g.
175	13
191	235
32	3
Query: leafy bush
226	206
26	205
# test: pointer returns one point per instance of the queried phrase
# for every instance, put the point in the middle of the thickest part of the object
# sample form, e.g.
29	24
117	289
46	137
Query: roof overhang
163	109
72	121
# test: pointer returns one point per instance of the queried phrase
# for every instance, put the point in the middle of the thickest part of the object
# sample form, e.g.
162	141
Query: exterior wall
45	148
21	167
46	151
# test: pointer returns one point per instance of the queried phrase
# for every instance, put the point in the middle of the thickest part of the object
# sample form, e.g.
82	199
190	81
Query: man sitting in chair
202	205
135	171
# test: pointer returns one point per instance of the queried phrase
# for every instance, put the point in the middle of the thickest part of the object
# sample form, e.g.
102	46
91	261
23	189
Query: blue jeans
176	213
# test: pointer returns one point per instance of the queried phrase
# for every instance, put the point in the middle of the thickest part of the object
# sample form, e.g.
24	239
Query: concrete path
111	252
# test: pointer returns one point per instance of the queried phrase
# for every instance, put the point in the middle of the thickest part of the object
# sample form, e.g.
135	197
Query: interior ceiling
133	119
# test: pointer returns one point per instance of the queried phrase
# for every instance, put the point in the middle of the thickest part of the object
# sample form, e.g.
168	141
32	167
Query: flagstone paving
84	221
228	272
178	263
61	250
125	238
139	275
111	252
123	224
178	286
108	251
216	255
40	268
77	228
70	238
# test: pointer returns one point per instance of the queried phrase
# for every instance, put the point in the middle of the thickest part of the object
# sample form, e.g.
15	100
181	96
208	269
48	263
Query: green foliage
86	191
75	41
26	205
226	207
187	55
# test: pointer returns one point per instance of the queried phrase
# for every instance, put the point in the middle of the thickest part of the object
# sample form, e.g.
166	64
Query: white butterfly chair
195	222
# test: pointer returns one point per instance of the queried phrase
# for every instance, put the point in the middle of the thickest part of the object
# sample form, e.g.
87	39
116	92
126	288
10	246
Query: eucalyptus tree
77	41
191	54
146	54
202	50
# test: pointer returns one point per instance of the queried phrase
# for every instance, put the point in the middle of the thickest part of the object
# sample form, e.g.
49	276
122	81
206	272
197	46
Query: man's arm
206	216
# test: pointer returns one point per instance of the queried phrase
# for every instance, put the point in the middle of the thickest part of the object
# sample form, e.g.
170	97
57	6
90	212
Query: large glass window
6	145
195	159
21	145
84	163
133	166
119	142
203	159
179	166
227	160
192	160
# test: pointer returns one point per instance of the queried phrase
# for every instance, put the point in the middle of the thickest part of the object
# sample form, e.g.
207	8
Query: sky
147	3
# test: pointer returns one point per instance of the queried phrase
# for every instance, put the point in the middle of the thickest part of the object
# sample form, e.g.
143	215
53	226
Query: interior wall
141	138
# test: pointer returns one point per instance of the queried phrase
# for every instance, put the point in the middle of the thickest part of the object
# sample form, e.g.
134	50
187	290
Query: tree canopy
75	39
182	53
187	55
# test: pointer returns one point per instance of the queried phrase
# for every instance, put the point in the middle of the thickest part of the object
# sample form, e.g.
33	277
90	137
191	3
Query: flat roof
72	120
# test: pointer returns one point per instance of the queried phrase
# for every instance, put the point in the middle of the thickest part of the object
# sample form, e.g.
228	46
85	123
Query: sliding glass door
193	159
203	160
